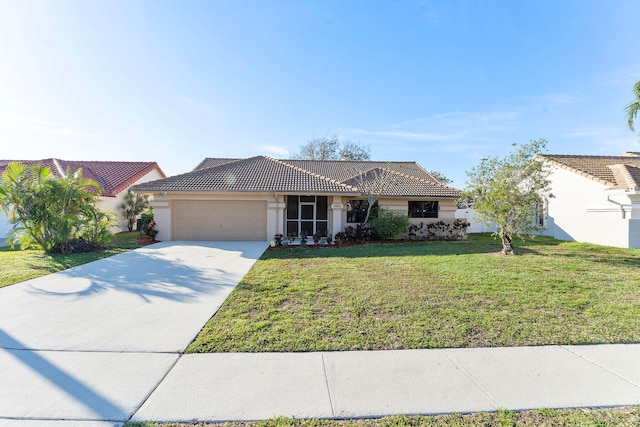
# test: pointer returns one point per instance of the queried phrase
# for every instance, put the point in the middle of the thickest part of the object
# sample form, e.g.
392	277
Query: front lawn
623	416
17	266
430	295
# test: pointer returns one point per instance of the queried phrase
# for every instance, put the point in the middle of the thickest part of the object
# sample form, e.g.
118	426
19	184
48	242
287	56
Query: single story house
114	179
259	197
597	199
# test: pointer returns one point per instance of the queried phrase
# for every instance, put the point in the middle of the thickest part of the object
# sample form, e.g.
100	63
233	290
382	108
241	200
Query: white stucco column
337	207
275	217
162	217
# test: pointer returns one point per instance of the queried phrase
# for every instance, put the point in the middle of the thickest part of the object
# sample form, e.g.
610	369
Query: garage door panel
219	220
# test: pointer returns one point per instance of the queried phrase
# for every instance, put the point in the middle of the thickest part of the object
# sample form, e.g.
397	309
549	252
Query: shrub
97	226
389	224
145	218
440	230
150	231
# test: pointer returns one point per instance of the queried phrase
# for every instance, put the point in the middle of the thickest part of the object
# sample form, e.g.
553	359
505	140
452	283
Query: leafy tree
442	179
633	107
132	206
509	191
372	184
47	212
331	148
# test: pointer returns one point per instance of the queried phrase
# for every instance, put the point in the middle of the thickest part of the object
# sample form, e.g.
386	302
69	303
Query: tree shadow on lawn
406	248
145	273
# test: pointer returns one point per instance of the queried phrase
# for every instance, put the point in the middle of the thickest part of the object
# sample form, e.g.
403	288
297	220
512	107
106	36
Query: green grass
18	266
430	295
624	416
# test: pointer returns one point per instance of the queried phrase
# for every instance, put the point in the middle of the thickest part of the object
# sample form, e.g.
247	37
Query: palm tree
45	211
132	206
633	107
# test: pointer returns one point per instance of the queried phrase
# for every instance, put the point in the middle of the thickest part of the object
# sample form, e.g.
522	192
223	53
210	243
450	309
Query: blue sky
443	83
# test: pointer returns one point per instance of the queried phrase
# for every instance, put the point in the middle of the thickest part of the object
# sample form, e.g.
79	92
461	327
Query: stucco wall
5	227
162	204
580	211
112	203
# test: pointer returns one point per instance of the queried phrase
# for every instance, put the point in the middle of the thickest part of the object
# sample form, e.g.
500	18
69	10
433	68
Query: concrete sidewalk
99	344
241	386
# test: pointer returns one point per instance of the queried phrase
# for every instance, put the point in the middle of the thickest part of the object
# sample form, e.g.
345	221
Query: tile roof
210	162
265	174
113	177
342	170
403	185
616	172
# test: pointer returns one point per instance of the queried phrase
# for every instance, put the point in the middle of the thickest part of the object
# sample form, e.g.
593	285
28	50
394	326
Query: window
308	214
357	210
541	214
427	209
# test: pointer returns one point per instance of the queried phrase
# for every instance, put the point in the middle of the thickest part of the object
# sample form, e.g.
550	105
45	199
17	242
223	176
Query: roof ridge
439	184
591	156
402	174
347	161
231	160
57	165
623	170
315	175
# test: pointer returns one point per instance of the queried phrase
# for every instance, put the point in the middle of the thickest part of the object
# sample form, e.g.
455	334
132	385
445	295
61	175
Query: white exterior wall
112	203
5	227
581	212
475	226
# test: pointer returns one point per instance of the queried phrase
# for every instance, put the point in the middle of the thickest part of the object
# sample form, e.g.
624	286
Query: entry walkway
99	344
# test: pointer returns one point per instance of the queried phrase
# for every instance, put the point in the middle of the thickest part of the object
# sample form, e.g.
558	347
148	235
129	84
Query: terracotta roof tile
627	177
592	167
265	174
113	177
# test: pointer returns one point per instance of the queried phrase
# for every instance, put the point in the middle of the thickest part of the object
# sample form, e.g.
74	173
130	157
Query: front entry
308	214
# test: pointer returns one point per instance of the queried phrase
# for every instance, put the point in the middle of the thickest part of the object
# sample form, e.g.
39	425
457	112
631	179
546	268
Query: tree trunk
507	247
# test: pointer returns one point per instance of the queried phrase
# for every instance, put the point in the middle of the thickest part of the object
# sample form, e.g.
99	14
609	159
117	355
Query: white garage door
219	220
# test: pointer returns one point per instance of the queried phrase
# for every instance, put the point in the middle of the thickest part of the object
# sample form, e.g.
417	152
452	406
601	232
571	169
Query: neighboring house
114	179
258	197
597	199
5	227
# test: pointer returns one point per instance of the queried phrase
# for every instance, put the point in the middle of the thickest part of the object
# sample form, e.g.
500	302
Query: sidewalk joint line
600	366
153	390
93	420
326	380
89	351
473	380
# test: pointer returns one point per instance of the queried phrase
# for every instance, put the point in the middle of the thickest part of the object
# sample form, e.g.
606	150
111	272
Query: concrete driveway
92	342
